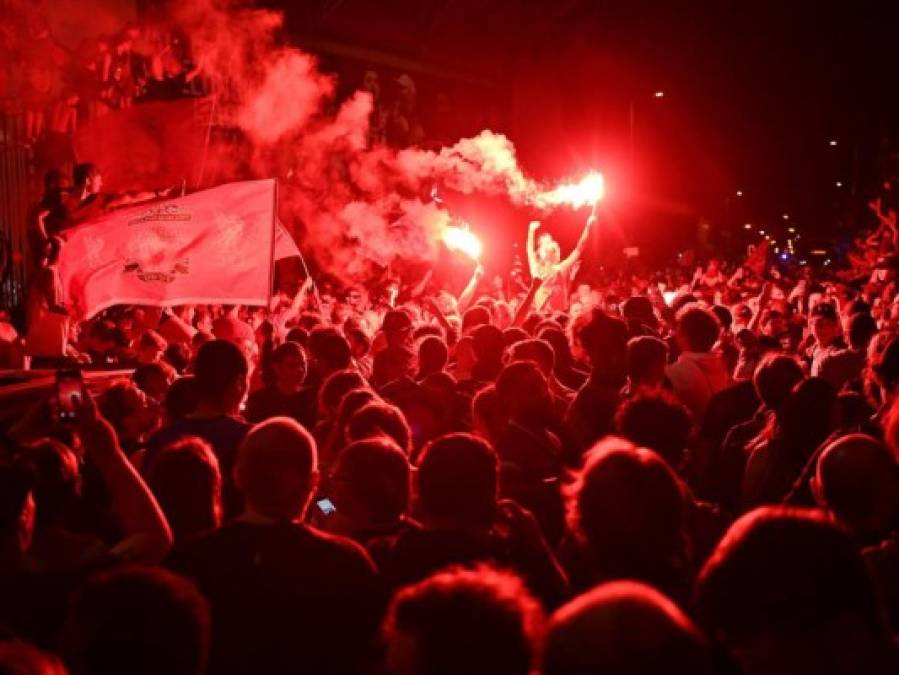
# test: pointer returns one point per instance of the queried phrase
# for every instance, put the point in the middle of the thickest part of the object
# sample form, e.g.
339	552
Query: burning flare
464	240
588	191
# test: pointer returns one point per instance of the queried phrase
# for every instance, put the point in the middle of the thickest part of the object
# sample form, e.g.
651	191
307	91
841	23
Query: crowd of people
690	472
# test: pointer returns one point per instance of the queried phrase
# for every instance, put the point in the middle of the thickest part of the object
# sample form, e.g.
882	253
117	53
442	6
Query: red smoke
353	206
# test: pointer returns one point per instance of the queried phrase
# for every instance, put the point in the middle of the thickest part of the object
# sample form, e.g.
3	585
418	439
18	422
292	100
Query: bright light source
747	226
791	230
784	256
786	216
588	191
768	237
762	232
833	143
739	193
462	239
839	183
659	94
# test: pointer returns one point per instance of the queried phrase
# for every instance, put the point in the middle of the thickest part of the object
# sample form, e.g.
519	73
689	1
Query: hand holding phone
70	394
326	506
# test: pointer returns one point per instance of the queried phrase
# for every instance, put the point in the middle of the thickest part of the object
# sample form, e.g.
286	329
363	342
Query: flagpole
318	300
271	266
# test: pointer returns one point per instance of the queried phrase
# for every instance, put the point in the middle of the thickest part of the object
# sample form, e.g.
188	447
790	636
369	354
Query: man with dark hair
857	480
658	421
603	338
328	352
396	360
787	591
630	514
464	523
647	357
722	473
137	620
220	375
433	355
824	325
478	622
370	487
282	592
844	366
624	628
698	373
284	393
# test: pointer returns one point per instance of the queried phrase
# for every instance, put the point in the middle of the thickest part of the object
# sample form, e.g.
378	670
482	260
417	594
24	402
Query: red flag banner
214	246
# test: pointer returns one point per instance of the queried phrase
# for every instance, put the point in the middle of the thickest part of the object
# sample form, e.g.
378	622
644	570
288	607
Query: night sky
754	92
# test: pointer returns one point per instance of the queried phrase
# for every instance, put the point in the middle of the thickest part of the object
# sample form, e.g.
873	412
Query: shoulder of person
342	550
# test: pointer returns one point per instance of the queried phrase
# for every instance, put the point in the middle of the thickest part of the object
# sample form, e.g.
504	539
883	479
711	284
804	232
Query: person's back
478	622
719	474
624	628
140	620
803	423
221	382
698	373
629	512
288	595
604	339
464	523
789	594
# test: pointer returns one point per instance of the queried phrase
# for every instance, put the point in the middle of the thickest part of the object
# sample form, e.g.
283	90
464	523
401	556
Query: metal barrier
15	189
22	390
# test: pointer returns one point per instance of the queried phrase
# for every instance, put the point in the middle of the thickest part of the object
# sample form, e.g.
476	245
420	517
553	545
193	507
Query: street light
739	193
659	94
786	216
791	230
747	226
762	232
833	143
839	183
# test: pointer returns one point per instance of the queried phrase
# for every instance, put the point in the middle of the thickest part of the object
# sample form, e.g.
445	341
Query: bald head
623	628
858	481
276	469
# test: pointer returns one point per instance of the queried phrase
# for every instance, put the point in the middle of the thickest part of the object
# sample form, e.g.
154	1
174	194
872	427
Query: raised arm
764	299
467	294
566	265
533	226
419	288
432	306
525	307
147	534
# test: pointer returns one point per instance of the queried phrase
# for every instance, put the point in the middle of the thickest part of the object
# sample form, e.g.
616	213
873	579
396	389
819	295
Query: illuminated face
290	372
548	249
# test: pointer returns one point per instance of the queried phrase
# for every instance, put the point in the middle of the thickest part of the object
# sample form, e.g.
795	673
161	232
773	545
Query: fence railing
16	182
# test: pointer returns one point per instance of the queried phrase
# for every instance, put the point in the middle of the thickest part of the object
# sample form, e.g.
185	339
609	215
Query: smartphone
326	506
69	393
